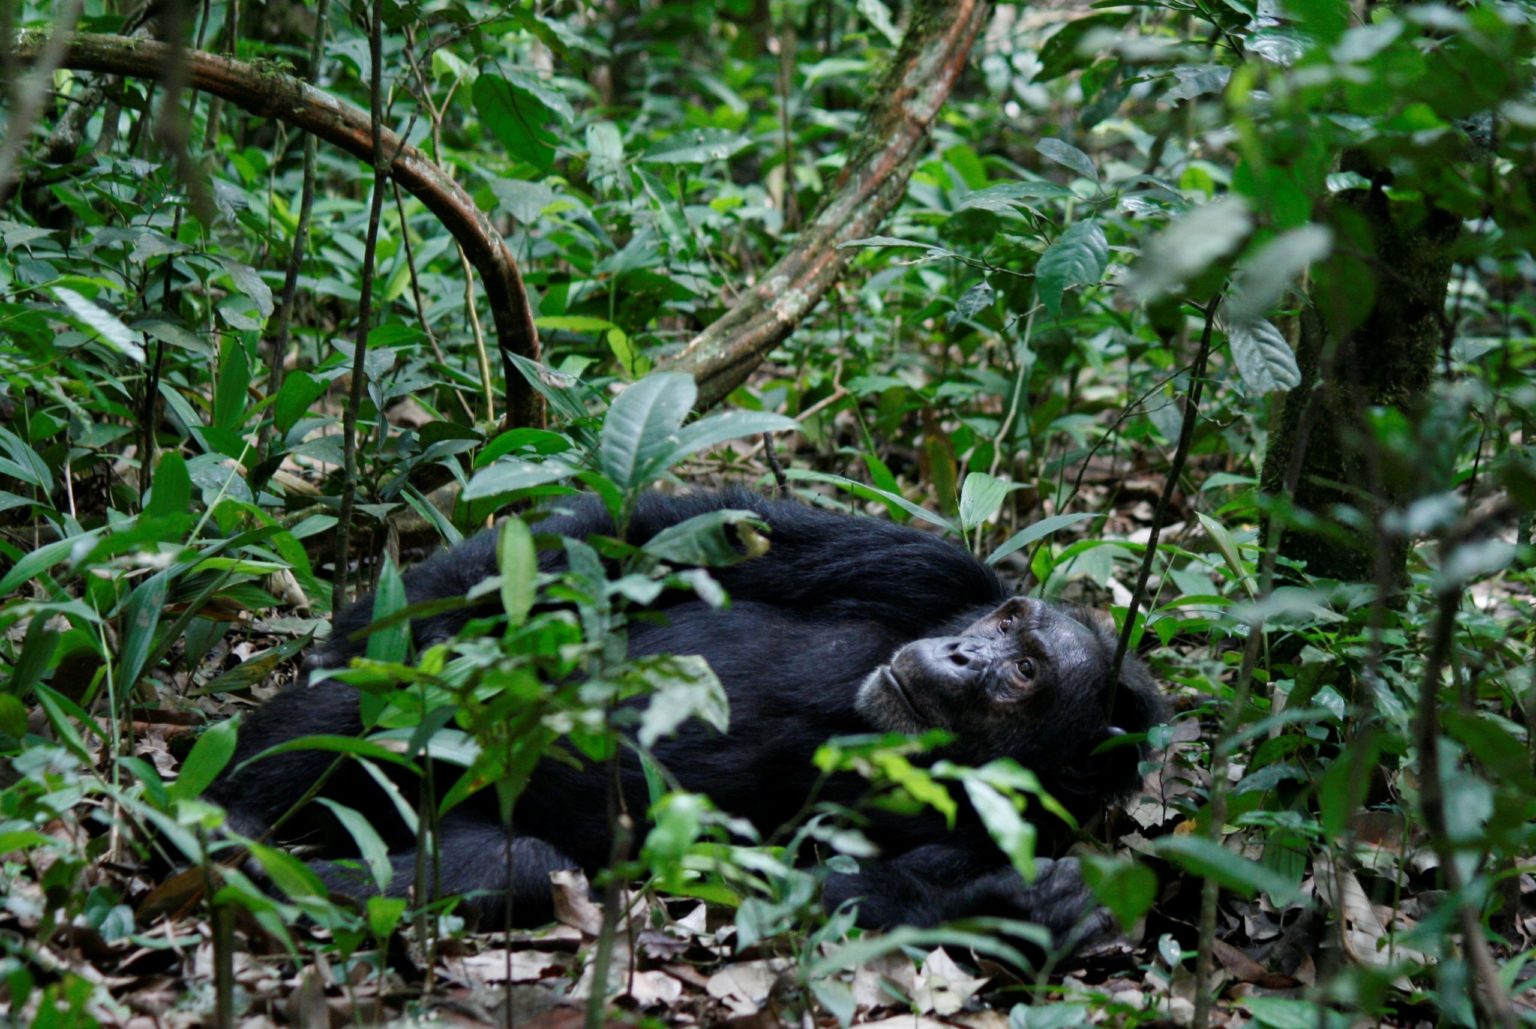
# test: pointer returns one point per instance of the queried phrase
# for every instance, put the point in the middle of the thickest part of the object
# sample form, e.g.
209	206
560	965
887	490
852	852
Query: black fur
847	625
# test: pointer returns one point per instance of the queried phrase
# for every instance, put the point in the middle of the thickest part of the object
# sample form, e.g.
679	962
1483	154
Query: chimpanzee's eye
1027	667
1005	623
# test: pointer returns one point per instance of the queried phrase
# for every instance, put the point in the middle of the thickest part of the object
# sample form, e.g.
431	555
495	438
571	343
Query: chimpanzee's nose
961	652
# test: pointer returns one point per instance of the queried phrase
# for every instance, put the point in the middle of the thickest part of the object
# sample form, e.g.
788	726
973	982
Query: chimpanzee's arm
941	882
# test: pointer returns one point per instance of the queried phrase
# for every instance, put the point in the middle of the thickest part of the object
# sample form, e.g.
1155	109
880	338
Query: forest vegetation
1218	315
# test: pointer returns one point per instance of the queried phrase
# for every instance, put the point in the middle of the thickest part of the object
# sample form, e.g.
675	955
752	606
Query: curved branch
897	121
273	94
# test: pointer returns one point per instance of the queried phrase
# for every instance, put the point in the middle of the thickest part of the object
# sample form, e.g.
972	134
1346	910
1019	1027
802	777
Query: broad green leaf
879	16
24	463
727	425
973	301
231	401
894	501
513	473
874	242
390	642
249	283
516	118
1189	246
298	391
701	540
1265	275
605	153
1008	196
1125	887
642	428
981	496
1038	531
1067	155
370	845
1342	788
351	745
37	650
1229	552
518	560
170	487
141	617
107	326
1077	258
696	146
1008	829
1206	859
293	877
1062	52
207	759
384	914
683	687
1263	357
1192	80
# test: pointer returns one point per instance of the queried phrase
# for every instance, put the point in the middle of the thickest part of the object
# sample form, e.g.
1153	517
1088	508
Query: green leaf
1067	155
298	391
973	301
981	496
170	489
107	326
384	914
1229	552
249	283
701	540
514	473
697	146
894	501
1038	531
231	403
642	427
1206	859
1123	886
879	17
207	759
1005	825
727	425
391	642
1263	357
1008	196
370	845
141	617
605	153
36	562
1062	52
1077	258
519	563
684	687
1265	275
1189	246
517	119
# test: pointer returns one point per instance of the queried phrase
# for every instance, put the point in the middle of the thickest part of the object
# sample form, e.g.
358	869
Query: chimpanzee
846	625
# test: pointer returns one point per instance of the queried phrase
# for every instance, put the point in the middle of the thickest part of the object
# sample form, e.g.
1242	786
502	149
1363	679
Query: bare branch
901	112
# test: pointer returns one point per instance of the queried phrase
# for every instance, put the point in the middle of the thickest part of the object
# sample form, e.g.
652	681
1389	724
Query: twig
364	309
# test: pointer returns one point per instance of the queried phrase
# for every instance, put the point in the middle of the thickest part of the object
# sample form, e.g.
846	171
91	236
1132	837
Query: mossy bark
1370	337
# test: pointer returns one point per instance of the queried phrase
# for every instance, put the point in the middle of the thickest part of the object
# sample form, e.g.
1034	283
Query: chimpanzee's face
1028	679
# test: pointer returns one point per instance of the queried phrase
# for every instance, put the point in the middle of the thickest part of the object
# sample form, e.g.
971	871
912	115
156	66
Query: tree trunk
1369	338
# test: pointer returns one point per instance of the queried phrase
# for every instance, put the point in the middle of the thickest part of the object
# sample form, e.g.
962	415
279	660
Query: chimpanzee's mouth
893	682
